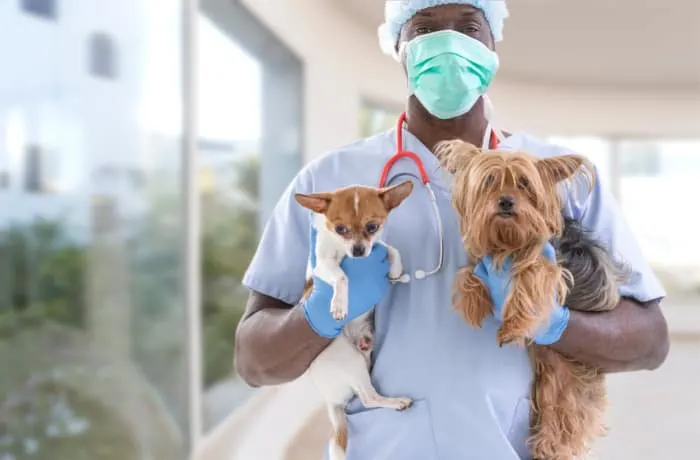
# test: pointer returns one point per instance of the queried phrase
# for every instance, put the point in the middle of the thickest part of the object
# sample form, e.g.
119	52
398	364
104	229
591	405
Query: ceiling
611	43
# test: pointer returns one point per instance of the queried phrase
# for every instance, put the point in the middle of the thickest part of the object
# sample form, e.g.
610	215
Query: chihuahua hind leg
471	298
370	398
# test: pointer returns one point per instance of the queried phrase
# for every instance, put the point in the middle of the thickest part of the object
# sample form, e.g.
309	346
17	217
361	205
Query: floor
656	415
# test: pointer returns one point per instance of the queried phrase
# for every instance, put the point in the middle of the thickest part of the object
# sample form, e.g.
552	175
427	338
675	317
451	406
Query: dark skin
275	344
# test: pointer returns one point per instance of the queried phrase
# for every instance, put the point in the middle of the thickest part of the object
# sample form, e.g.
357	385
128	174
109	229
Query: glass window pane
249	151
659	178
374	119
93	345
596	149
229	162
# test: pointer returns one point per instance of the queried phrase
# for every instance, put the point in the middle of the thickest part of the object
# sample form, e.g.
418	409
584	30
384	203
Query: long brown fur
568	397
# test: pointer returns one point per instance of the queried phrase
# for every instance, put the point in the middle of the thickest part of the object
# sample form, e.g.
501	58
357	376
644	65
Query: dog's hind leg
568	407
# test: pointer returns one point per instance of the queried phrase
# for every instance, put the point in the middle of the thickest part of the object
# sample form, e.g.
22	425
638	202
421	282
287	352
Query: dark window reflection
42	8
102	55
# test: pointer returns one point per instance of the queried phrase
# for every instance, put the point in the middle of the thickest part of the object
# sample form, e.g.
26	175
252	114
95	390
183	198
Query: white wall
343	64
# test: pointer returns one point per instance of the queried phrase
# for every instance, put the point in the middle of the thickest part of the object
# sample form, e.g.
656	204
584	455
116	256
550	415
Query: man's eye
341	229
472	28
421	30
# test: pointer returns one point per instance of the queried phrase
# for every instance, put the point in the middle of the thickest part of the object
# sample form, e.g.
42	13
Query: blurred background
105	352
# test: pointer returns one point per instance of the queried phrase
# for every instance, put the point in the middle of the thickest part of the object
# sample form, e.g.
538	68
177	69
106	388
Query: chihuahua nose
506	203
358	250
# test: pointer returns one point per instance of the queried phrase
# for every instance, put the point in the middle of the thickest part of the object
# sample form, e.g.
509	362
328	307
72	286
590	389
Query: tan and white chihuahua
349	222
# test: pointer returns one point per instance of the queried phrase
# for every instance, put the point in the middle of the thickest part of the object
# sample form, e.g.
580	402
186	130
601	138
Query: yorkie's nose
506	203
358	250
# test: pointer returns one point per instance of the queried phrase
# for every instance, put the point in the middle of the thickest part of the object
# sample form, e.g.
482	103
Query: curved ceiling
611	43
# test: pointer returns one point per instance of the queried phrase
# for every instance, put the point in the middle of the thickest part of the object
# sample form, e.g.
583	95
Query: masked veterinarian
471	397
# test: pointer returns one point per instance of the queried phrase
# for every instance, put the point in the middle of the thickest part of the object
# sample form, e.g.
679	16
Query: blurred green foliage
45	277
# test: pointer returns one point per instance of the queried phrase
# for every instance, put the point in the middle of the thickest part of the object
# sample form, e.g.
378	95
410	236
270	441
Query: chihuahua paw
395	269
400	403
339	302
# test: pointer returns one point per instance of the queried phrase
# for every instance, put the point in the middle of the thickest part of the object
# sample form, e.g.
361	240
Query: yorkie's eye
489	180
371	227
341	229
523	182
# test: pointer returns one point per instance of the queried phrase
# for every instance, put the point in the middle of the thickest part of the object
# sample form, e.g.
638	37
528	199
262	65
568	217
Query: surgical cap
399	12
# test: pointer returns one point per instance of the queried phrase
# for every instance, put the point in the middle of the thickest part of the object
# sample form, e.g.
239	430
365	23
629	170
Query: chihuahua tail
339	441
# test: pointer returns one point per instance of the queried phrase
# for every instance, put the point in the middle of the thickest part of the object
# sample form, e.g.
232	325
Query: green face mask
449	71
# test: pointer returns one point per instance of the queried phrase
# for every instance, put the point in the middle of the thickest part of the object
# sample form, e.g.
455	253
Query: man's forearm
630	337
274	342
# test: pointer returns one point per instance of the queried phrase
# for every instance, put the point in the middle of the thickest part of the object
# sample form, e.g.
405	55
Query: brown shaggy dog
510	208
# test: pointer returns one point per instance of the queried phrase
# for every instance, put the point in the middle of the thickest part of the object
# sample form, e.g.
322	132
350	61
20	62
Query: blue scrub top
471	396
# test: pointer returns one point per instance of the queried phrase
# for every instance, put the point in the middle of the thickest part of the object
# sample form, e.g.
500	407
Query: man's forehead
435	11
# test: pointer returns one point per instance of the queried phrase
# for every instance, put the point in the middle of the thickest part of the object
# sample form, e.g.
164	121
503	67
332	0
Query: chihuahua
349	221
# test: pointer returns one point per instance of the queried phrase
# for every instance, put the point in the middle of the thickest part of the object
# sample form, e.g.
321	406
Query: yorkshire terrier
509	207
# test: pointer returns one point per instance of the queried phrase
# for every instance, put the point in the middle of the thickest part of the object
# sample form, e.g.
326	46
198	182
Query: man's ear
394	195
556	169
455	155
317	202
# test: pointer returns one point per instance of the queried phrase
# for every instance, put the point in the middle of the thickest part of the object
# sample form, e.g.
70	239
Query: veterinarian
471	397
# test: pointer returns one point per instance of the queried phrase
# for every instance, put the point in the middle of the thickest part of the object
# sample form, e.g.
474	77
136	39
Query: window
374	119
42	8
102	56
639	158
33	181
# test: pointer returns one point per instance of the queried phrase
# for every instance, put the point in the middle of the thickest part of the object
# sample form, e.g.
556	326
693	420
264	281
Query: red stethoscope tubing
401	153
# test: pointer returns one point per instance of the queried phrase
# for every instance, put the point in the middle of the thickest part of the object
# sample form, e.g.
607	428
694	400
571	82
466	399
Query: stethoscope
491	141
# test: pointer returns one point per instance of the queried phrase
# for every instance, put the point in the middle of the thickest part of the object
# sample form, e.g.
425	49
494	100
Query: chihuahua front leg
395	265
328	269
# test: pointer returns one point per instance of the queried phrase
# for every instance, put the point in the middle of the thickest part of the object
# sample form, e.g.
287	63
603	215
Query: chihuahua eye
372	227
341	229
523	182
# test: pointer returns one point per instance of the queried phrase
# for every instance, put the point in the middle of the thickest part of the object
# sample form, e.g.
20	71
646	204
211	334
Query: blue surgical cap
398	12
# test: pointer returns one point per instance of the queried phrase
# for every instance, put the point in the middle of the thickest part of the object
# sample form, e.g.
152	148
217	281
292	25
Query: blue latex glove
368	282
498	284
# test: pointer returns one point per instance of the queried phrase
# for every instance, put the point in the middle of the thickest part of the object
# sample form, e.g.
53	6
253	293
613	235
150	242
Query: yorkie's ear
455	155
317	202
557	169
394	195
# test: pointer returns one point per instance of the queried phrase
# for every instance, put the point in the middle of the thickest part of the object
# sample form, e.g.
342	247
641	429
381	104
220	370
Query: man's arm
629	338
633	336
274	342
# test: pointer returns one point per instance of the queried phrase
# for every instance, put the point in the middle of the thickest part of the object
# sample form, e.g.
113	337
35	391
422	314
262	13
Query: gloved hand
498	284
368	282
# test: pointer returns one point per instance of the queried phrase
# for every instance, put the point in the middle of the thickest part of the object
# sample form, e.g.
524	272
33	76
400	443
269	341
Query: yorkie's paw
506	337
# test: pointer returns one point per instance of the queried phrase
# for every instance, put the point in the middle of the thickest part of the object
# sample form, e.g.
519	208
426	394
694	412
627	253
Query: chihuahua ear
317	202
556	169
394	195
455	154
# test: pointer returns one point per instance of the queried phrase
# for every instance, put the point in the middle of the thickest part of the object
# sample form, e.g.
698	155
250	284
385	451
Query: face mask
448	71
